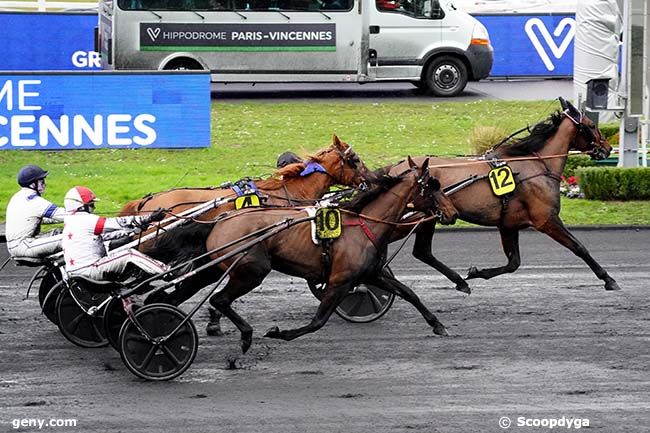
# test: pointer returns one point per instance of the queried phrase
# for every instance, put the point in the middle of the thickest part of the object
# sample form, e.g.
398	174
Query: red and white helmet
78	197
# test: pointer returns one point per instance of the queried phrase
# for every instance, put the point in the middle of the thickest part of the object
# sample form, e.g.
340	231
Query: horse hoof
214	330
464	288
612	285
273	332
245	345
440	330
472	273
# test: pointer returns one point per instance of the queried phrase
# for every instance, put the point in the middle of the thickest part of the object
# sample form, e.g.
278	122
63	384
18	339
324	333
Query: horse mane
288	172
363	198
537	138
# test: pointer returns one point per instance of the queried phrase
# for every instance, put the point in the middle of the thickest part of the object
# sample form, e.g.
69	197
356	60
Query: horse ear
562	103
336	142
573	110
411	163
425	169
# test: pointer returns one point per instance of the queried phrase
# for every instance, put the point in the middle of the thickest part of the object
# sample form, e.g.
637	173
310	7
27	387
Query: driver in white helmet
84	235
26	211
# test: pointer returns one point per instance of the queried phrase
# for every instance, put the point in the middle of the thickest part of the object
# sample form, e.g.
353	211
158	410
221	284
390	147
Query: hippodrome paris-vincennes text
251	36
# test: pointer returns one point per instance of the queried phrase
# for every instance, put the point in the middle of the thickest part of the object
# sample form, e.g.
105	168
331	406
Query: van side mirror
436	11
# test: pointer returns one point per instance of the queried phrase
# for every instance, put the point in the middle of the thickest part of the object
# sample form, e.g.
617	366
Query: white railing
44	5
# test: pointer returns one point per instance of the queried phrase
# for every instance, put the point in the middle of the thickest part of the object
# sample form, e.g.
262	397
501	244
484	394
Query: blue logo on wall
531	45
104	110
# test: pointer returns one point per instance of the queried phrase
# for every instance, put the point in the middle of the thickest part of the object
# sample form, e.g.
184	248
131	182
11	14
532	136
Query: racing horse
537	162
293	184
298	183
356	256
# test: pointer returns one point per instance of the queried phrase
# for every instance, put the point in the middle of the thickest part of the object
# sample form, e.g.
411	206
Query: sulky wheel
48	303
78	326
164	356
114	317
364	304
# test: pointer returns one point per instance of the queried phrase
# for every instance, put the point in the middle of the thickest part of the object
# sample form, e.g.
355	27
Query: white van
427	42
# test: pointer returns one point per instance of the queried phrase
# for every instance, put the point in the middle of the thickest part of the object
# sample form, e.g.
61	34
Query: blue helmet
30	174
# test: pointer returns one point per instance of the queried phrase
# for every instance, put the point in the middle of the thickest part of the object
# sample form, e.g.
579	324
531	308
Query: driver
84	235
26	211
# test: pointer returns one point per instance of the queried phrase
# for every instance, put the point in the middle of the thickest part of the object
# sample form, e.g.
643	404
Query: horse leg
422	252
388	282
331	299
510	243
241	281
556	230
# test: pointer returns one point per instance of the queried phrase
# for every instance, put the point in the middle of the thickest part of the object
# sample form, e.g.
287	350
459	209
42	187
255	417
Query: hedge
615	183
574	162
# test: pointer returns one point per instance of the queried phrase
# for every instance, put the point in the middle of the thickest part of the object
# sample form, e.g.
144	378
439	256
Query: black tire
114	318
164	359
49	297
183	65
446	76
76	325
365	303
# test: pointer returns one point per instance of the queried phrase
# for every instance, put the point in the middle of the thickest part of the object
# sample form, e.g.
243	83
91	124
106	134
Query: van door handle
374	29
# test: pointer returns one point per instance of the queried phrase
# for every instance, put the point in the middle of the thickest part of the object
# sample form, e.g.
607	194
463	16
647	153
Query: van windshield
238	5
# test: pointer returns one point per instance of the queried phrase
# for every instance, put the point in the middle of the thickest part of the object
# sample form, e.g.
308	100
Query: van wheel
183	65
446	76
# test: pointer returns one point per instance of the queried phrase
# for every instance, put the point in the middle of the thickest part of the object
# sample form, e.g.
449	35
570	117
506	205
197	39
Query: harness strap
286	192
360	222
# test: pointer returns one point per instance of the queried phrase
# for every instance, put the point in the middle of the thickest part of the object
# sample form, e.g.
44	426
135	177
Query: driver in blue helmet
26	211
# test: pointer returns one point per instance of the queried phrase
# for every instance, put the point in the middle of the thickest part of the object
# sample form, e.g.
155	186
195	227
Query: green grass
247	137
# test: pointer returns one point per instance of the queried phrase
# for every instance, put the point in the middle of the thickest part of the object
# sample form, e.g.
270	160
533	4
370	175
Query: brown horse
287	186
355	257
337	164
537	162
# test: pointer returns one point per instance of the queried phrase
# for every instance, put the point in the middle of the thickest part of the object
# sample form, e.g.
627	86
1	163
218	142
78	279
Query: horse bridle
598	151
349	157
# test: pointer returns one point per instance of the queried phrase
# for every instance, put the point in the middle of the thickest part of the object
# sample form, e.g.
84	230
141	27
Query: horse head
343	164
588	138
430	197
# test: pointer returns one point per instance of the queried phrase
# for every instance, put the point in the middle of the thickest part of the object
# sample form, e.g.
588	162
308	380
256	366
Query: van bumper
481	58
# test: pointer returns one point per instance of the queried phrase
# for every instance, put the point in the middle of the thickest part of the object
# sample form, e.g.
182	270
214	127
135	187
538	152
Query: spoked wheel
364	304
49	280
78	326
114	318
162	356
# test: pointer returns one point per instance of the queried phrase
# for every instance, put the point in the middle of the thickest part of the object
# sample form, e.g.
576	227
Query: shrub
483	138
615	183
573	162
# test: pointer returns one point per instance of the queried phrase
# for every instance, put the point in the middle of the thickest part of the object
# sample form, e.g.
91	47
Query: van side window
239	5
412	8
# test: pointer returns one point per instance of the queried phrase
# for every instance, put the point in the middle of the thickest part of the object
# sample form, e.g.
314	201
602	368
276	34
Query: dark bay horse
537	162
337	164
356	256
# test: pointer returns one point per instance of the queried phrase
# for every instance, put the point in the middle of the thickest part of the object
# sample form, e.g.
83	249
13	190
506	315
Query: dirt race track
545	342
